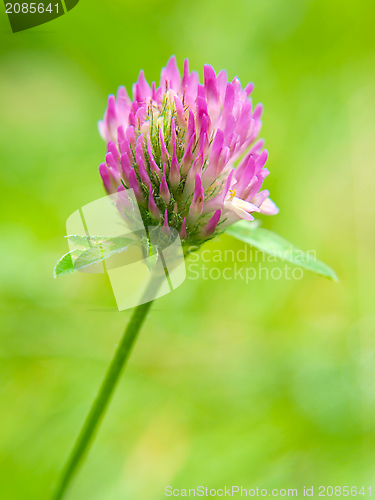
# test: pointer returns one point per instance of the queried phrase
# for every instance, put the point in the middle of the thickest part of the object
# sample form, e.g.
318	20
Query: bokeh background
268	384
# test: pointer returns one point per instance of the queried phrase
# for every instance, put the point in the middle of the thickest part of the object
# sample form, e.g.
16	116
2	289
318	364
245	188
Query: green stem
100	404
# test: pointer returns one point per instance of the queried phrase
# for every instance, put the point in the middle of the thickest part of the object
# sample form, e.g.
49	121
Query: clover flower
188	150
190	155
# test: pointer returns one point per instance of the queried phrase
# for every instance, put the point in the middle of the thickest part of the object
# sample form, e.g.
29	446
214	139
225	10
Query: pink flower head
189	151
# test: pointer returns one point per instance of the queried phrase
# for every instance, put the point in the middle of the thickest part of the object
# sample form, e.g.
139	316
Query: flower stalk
100	404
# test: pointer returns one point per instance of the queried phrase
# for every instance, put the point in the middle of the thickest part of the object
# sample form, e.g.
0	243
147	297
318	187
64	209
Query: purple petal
261	161
249	88
139	148
164	151
143	172
166	225
134	184
224	157
171	75
111	162
104	173
201	92
130	134
180	112
131	118
164	191
173	136
143	88
183	229
248	162
268	207
230	126
185	77
216	148
111	148
245	178
196	206
211	225
120	134
174	174
188	156
152	205
221	81
259	198
191	127
123	104
244	121
154	93
140	116
153	166
125	167
111	111
218	201
125	149
258	112
212	92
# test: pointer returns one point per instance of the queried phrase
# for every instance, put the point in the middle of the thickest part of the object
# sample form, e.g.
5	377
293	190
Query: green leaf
273	244
109	243
102	250
88	257
79	240
116	244
91	250
64	266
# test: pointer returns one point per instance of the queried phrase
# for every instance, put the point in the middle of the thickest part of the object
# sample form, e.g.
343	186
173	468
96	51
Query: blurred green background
269	384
